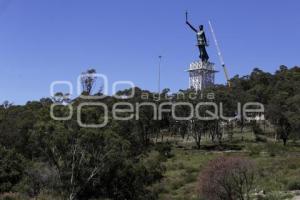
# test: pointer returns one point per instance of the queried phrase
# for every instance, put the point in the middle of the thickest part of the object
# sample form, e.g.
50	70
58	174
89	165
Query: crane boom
219	53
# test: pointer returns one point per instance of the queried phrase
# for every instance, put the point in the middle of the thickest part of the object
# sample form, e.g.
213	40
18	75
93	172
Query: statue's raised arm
188	23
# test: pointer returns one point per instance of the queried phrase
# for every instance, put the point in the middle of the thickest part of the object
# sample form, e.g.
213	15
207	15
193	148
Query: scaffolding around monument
201	75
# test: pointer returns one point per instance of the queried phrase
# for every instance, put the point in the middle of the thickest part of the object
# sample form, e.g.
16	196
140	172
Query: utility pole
159	63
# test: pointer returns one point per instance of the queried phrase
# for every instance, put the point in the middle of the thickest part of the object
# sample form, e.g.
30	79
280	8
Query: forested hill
117	161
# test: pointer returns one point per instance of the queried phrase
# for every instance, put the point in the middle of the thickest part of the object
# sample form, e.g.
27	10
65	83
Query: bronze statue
201	38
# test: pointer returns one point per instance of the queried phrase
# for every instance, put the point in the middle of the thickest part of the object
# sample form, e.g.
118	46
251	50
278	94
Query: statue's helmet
201	27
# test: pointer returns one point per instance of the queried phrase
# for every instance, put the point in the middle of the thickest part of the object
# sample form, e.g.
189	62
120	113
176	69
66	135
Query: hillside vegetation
149	158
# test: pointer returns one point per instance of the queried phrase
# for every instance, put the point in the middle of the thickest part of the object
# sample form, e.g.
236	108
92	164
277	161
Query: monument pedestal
201	75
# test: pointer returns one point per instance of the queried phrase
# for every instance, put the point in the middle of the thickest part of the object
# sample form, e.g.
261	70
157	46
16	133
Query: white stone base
201	75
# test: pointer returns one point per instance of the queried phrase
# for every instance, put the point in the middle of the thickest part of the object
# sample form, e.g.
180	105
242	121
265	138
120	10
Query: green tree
12	167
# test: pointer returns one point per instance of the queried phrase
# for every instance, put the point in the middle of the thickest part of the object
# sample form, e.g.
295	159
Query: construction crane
220	54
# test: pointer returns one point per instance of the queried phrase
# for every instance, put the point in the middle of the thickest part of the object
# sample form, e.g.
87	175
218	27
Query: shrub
46	196
253	149
190	169
164	149
11	169
177	183
294	185
190	178
259	138
277	196
39	176
257	130
259	133
13	196
292	166
274	149
227	178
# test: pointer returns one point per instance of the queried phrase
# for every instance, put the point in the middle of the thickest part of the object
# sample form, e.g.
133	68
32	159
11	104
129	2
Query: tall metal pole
220	54
159	63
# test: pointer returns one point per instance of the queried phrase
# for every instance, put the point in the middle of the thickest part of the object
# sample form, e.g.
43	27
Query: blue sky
46	40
